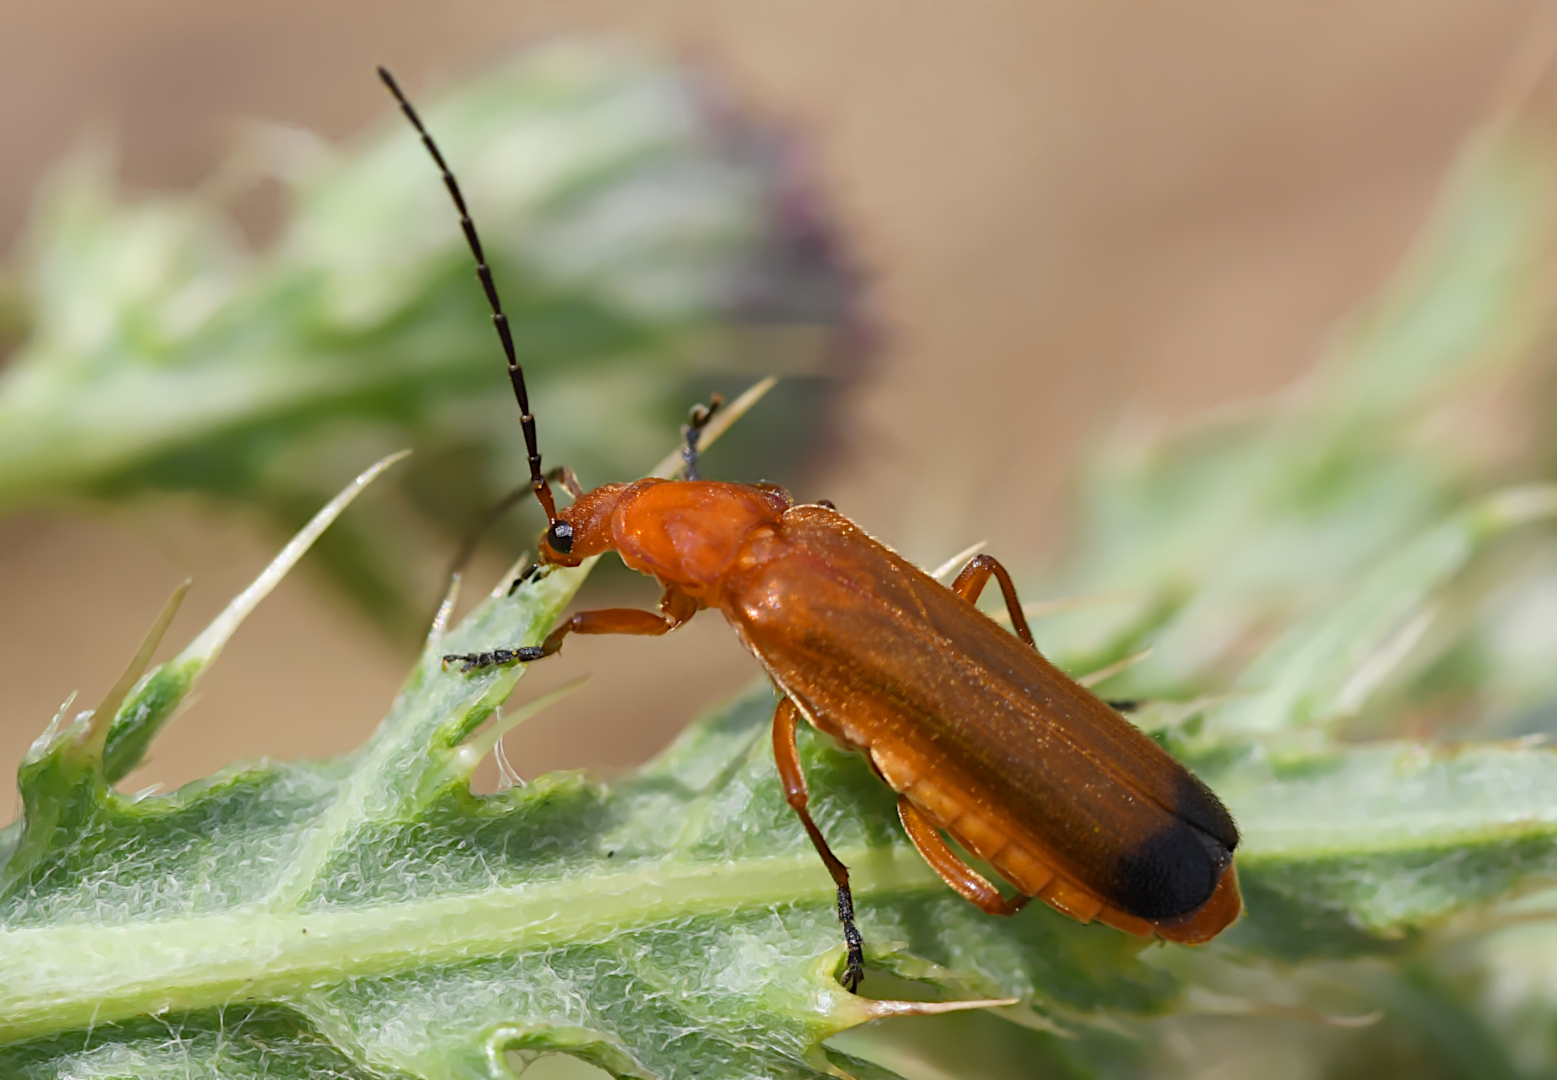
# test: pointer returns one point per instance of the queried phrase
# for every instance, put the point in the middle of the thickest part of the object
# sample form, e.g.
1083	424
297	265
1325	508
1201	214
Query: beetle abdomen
1169	872
1016	761
1153	886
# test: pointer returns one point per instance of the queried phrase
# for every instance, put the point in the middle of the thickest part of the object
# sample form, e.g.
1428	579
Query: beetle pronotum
981	737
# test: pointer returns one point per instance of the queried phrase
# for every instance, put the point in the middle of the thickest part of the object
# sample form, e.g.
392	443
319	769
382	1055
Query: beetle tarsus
524	575
496	658
692	431
854	964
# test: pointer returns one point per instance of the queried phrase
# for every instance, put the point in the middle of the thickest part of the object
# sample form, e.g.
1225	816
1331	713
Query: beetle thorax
688	533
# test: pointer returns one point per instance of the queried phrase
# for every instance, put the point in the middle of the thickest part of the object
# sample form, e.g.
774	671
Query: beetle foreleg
968	882
792	773
676	607
971	581
495	658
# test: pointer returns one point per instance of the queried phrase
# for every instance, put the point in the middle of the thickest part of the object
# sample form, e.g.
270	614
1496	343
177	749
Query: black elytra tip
1172	872
1175	869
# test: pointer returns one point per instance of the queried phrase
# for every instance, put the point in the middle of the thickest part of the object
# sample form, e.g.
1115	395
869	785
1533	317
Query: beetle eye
560	537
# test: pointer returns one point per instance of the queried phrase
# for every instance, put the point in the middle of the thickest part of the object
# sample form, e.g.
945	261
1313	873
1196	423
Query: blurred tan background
1075	215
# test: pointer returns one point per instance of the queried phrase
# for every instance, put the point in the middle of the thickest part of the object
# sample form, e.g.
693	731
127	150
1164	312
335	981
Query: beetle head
583	529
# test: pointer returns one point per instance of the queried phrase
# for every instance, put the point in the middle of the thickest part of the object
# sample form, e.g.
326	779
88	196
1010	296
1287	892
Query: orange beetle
981	737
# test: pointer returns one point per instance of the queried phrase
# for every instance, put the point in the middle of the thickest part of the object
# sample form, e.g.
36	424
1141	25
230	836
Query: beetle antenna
538	482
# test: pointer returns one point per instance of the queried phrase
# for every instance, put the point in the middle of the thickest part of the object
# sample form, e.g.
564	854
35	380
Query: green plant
1342	587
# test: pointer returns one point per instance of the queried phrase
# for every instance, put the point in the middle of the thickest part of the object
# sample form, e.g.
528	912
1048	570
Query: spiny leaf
1221	532
673	923
1326	665
1303	574
1387	837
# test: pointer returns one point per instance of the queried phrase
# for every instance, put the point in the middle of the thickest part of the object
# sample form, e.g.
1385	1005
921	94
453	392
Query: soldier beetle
982	738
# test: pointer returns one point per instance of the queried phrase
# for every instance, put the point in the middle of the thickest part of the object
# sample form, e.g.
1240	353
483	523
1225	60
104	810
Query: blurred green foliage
1350	596
650	244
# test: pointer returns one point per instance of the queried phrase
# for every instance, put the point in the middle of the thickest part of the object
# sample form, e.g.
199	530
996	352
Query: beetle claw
854	964
854	971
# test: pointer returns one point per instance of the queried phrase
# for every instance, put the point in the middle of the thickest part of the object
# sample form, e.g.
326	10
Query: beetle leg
968	882
676	607
692	431
971	581
568	479
787	755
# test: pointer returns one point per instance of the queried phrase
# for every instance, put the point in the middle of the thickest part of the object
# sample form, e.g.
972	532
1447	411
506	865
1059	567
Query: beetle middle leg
968	882
971	581
692	432
676	607
787	755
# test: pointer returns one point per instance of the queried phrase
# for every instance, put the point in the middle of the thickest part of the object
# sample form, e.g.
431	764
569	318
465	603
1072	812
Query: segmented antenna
484	273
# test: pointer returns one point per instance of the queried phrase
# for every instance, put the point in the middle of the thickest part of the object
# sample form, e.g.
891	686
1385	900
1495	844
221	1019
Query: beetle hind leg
968	882
787	755
971	581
